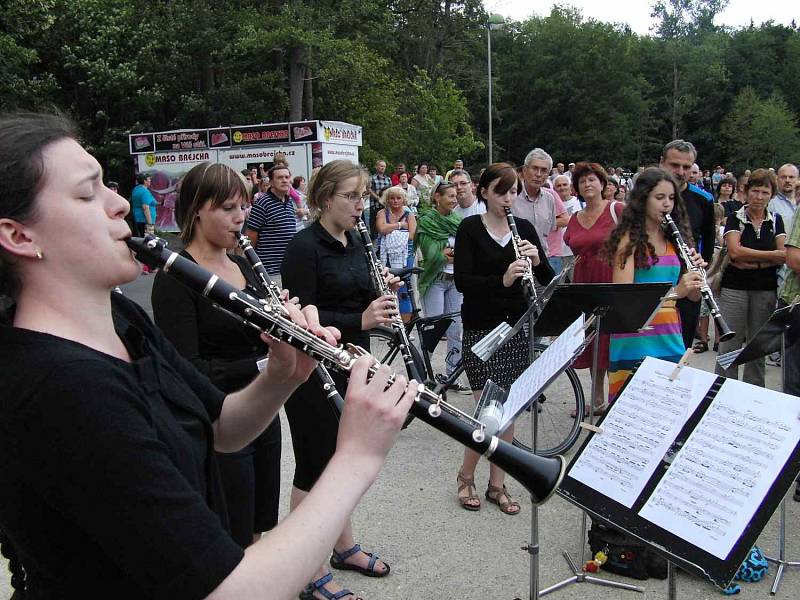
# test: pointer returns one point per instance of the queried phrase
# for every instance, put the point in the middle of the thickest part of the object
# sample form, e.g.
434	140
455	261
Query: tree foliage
760	131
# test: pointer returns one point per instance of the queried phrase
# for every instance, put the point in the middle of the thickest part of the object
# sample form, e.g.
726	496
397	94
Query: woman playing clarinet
488	274
640	251
210	212
325	265
107	434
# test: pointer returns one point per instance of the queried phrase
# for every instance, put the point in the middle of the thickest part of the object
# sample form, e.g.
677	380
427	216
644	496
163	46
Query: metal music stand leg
781	560
578	576
672	583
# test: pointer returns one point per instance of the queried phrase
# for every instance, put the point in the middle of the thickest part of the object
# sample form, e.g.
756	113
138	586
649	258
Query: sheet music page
720	477
639	429
558	354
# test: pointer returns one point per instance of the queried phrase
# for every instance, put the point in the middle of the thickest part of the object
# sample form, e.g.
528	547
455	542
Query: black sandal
700	347
319	587
338	558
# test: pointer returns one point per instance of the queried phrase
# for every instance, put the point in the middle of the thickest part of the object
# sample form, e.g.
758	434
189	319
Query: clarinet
725	332
539	475
271	289
397	325
527	277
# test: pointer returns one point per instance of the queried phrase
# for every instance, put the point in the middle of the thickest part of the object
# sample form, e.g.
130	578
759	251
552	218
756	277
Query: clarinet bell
540	475
724	333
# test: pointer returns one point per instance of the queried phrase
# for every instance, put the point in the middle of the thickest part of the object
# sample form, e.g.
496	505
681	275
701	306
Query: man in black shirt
678	158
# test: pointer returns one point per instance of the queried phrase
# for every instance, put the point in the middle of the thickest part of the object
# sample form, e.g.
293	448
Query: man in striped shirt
272	224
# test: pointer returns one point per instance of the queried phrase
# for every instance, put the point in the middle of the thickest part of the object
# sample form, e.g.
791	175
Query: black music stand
619	308
781	331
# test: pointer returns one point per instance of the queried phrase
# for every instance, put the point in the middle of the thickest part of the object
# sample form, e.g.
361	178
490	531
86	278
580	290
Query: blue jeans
442	297
555	263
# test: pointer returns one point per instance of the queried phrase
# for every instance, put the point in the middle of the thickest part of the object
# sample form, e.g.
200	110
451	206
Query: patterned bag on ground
626	555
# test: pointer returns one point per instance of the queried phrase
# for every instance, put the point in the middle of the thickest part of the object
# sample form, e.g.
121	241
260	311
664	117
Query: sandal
700	347
599	411
467	483
338	558
496	499
319	587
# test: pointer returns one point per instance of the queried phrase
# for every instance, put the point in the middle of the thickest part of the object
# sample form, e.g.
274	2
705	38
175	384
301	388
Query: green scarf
433	229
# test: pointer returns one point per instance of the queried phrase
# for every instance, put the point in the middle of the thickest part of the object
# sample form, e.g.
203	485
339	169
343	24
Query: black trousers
690	315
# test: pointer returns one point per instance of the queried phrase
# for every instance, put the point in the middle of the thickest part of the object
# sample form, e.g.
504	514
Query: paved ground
439	551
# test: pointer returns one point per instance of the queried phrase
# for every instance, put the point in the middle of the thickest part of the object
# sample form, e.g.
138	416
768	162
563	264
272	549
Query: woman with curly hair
640	251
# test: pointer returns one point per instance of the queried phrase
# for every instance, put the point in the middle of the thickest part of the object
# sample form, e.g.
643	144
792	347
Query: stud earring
39	253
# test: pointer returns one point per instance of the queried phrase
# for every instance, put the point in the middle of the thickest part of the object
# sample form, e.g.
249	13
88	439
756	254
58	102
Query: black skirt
504	367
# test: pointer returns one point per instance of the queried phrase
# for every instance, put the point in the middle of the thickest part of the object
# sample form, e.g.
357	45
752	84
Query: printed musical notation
722	474
639	430
551	362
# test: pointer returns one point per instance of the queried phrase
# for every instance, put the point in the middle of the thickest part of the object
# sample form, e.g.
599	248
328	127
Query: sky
637	12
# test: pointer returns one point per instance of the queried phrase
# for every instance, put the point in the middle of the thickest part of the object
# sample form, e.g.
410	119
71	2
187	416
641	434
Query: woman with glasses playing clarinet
325	265
210	212
488	273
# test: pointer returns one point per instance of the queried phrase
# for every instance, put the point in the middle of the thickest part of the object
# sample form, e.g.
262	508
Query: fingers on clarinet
311	315
380	378
360	369
408	397
296	315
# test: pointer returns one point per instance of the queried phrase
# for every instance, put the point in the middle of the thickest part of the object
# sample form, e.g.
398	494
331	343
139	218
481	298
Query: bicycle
557	431
425	331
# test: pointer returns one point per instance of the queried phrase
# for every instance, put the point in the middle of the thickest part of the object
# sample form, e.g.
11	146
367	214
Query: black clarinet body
528	285
271	289
397	325
725	332
538	474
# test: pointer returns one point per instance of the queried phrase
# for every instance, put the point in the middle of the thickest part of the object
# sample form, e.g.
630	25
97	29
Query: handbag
625	555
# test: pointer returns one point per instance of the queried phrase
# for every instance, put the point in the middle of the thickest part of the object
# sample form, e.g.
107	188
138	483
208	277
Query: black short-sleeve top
753	279
108	478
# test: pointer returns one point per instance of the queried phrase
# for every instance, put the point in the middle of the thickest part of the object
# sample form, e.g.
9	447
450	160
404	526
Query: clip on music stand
780	332
619	308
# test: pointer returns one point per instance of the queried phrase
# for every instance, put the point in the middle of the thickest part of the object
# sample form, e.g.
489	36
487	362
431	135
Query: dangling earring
39	253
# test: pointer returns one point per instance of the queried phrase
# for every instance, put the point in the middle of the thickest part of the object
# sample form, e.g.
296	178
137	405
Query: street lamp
494	22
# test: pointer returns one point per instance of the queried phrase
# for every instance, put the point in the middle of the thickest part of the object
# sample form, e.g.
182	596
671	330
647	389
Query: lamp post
494	22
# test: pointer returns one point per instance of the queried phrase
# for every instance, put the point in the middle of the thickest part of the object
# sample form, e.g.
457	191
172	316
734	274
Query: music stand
780	331
619	308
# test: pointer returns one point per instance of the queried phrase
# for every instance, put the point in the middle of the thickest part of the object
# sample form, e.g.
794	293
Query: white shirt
572	205
476	208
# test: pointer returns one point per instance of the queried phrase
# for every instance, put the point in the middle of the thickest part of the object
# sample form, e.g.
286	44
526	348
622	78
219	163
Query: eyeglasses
354	197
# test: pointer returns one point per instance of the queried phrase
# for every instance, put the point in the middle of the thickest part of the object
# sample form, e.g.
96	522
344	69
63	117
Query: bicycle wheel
384	347
557	430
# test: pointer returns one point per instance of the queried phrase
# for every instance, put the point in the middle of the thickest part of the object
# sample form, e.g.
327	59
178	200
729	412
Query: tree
760	132
437	111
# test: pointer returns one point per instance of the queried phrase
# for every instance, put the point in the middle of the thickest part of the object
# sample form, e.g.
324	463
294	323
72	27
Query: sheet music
720	477
529	385
639	429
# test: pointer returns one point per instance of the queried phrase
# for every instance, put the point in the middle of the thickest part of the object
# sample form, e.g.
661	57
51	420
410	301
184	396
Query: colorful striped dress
664	340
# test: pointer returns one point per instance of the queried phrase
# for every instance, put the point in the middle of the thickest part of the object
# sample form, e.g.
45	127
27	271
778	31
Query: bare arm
283	561
623	273
563	219
793	258
382	226
412	226
737	252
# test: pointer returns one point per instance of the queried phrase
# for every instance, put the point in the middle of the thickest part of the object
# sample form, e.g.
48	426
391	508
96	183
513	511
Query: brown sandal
494	495
467	483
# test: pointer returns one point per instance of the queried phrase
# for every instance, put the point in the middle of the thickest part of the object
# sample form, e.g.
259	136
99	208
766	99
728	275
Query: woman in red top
586	233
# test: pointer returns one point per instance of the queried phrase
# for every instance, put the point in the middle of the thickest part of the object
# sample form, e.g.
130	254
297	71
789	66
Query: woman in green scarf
436	235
